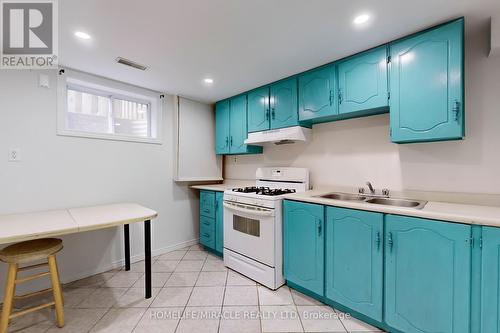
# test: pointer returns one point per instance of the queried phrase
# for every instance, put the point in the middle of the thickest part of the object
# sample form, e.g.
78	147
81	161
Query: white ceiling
241	44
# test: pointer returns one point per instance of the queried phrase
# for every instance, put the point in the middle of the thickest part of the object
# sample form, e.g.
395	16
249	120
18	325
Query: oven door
249	230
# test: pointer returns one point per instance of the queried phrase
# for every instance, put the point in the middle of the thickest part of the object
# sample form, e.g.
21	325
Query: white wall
58	172
350	152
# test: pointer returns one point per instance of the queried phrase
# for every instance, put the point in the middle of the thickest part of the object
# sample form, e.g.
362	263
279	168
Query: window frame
98	86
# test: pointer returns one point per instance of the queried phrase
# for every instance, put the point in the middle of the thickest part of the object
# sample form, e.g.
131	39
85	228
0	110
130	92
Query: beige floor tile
196	247
138	267
354	325
92	281
240	319
73	297
119	321
159	320
206	296
210	279
102	298
190	266
214	266
123	280
182	279
134	298
173	255
282	296
320	319
164	266
195	255
158	280
199	319
301	299
172	296
241	295
36	322
280	318
79	320
212	256
236	279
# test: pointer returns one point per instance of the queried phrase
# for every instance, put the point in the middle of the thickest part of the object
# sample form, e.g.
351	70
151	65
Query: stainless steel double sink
416	204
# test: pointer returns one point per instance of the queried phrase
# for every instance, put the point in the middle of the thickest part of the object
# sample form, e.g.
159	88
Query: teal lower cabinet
354	260
490	280
427	275
212	220
304	245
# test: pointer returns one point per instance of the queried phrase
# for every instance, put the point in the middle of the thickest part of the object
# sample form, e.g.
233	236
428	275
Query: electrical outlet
14	155
235	159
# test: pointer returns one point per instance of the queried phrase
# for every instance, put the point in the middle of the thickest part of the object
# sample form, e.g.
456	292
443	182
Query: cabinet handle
378	240
456	109
340	96
273	114
320	227
206	235
267	114
331	97
227	141
390	242
231	141
206	210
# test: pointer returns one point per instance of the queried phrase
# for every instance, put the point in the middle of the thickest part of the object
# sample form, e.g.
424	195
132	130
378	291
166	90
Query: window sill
100	136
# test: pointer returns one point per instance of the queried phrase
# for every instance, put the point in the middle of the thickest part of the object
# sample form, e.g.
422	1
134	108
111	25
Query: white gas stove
253	224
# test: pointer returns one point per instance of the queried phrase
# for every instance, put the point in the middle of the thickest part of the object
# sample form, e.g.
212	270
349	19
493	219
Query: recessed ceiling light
208	80
82	35
360	19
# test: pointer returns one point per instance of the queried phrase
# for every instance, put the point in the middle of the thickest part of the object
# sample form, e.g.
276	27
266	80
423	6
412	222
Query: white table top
21	227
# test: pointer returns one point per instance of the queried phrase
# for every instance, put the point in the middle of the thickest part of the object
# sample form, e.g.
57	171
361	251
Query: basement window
93	108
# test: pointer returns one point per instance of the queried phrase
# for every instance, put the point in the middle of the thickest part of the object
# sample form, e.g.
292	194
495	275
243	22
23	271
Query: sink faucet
370	187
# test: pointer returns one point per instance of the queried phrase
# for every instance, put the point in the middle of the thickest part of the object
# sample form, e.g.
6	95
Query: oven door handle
249	209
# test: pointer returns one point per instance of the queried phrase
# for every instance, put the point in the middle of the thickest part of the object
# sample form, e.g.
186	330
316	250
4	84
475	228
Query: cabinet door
219	222
207	204
490	280
238	124
427	277
363	81
222	127
284	112
317	93
426	85
304	245
258	110
354	260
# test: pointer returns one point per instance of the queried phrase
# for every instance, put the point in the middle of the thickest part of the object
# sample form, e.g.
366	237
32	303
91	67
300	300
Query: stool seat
29	251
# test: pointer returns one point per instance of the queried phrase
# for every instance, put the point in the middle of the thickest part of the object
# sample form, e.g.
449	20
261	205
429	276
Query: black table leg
126	236
147	254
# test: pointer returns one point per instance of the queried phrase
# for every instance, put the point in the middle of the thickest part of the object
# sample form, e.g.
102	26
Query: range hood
280	136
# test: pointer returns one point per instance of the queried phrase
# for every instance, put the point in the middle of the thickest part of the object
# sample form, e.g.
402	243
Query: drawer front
207	232
207	204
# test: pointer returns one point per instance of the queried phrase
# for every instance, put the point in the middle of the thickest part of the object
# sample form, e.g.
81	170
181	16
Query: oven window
246	225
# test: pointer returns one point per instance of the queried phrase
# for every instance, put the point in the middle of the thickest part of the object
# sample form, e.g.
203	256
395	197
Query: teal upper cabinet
273	107
354	260
283	102
490	284
363	81
426	85
427	277
231	127
258	110
304	245
222	127
317	94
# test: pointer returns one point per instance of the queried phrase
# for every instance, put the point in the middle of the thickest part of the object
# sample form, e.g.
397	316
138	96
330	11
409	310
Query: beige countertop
438	210
226	185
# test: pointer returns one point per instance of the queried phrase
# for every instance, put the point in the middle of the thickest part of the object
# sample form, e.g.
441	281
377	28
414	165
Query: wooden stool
23	253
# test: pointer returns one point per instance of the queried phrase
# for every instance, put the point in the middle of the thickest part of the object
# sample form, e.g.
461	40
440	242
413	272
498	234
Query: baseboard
121	262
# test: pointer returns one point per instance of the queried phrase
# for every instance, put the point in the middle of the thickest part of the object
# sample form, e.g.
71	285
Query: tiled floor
192	292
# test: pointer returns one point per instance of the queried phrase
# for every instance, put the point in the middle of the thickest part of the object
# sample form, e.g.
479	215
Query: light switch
43	81
14	155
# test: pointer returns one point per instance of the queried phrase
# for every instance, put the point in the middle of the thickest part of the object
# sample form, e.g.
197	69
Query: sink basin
397	202
343	196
